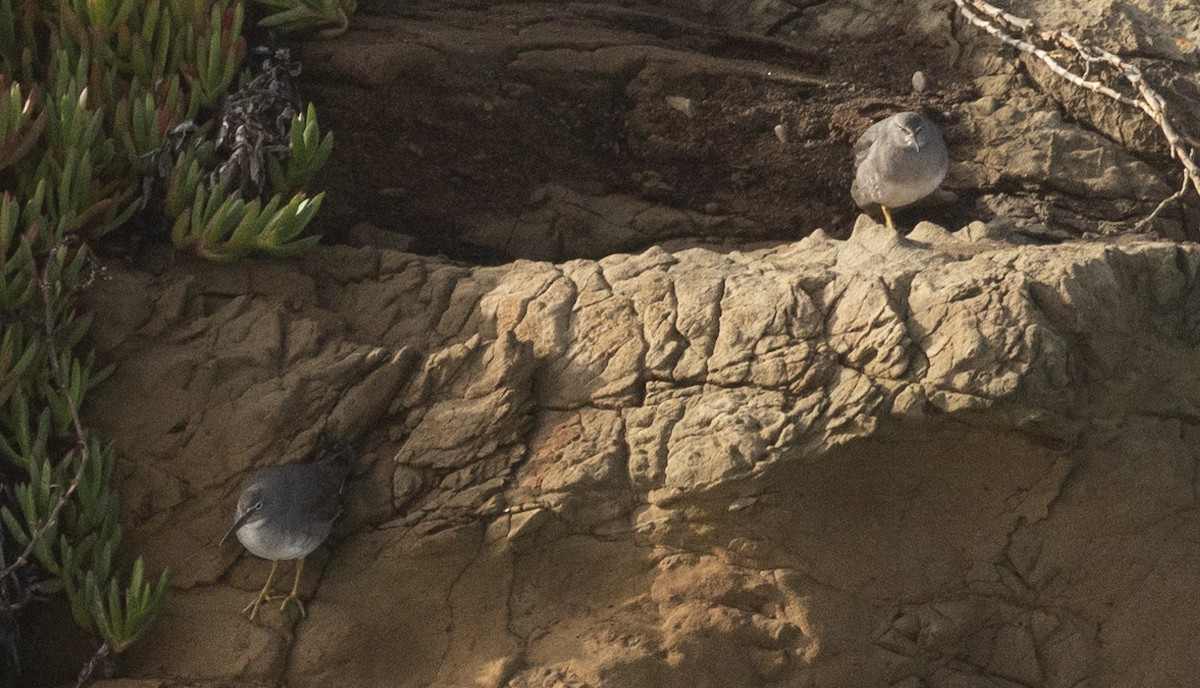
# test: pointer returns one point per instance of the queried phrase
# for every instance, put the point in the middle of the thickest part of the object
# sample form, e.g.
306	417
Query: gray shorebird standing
897	162
285	512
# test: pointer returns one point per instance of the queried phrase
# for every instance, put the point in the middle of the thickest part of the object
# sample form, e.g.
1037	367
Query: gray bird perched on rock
285	512
897	162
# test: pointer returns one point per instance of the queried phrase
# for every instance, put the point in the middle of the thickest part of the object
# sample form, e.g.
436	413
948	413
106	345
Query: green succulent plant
224	228
110	109
324	18
308	153
63	516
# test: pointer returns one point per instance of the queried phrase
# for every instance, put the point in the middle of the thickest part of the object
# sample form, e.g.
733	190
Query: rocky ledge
952	459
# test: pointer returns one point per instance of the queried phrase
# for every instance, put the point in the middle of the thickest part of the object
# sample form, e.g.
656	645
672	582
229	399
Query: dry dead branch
1026	36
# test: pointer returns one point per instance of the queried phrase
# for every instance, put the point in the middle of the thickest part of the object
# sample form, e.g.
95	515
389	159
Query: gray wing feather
316	488
862	148
864	143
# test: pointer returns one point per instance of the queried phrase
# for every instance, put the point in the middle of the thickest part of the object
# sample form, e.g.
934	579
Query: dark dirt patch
453	119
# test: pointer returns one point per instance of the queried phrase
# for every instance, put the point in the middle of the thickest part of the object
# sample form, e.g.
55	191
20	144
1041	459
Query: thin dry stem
1006	26
1183	188
85	674
24	593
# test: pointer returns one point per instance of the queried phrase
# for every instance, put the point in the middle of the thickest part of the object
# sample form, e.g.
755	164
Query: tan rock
952	458
546	500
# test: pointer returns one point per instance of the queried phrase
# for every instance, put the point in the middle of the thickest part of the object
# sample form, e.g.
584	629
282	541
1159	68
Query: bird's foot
293	598
254	604
888	217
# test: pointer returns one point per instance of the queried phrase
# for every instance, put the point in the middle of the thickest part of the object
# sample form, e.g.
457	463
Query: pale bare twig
1164	203
1020	33
1027	47
15	596
84	454
85	674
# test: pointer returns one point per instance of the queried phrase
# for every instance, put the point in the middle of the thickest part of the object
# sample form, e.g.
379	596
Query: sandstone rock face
942	460
652	426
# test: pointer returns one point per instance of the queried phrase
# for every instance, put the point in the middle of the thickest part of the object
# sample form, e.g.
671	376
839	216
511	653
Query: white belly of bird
898	195
269	543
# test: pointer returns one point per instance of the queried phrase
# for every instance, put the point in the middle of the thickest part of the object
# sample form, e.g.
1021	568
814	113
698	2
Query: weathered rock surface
698	441
941	460
573	130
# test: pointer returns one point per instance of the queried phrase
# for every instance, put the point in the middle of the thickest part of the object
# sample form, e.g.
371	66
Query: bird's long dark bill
236	524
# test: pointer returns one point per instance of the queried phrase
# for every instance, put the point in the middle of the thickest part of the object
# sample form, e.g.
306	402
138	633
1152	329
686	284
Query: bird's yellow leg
888	217
263	594
292	597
